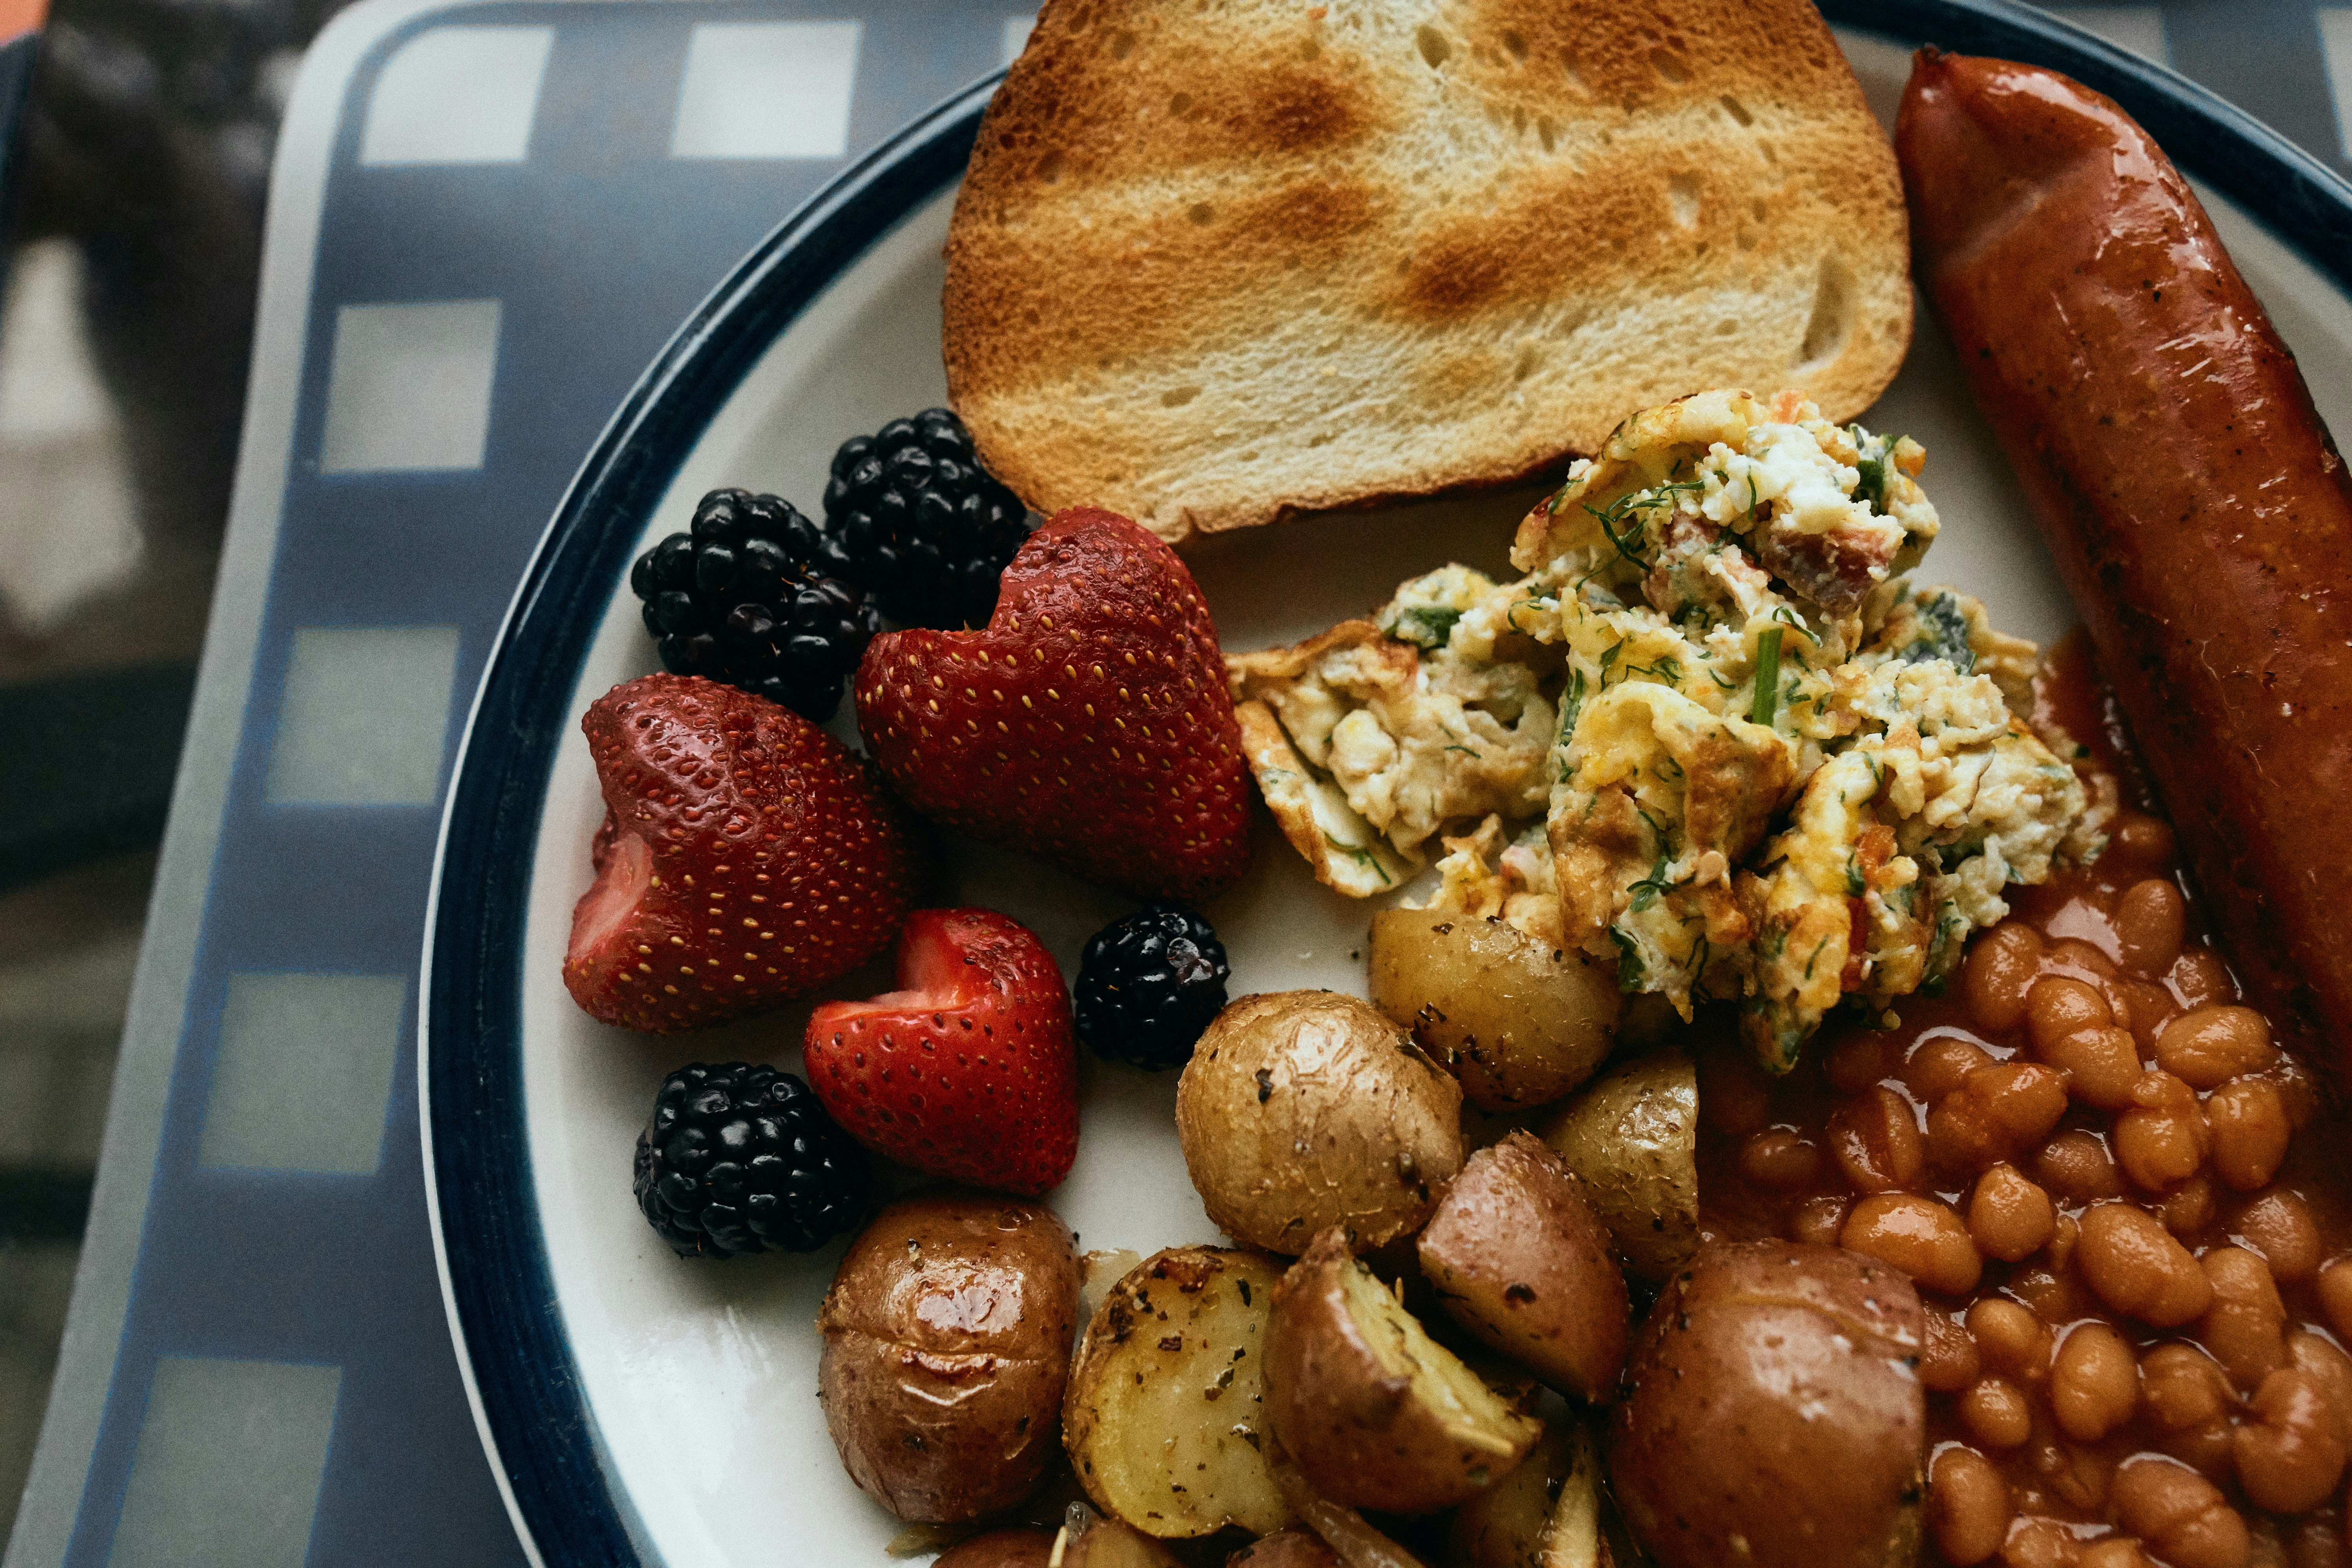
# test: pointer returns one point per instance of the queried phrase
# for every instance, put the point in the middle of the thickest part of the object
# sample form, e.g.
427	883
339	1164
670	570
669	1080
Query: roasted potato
946	1344
1517	1021
1285	1549
1375	1413
1773	1417
1302	1110
1090	1541
1022	1547
1166	1406
1544	1514
1631	1136
1519	1258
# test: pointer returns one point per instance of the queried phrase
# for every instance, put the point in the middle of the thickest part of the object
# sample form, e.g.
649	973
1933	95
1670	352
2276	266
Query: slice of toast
1220	261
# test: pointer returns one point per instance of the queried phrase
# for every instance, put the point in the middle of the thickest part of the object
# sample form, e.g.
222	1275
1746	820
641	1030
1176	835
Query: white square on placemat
303	1072
457	95
409	386
766	90
227	1471
365	716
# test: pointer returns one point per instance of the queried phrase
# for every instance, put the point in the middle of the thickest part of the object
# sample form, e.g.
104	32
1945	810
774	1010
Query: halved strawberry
746	857
969	1071
1088	723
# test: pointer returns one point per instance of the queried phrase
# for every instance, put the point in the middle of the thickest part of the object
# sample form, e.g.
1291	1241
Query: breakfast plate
642	1408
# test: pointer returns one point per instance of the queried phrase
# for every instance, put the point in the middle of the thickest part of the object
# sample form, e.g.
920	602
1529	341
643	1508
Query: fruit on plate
1520	1260
1317	256
912	517
1376	1413
740	1158
1772	1415
1303	1109
746	857
744	596
968	1070
1149	984
947	1345
1088	723
1164	1420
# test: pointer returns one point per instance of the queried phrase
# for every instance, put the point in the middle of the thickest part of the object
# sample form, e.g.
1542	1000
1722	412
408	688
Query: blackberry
911	517
1149	984
742	1159
742	597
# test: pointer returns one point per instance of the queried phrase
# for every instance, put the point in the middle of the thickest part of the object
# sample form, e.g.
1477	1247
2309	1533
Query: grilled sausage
2195	504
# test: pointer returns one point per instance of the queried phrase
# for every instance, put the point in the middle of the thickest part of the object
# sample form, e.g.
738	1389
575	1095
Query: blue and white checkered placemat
487	218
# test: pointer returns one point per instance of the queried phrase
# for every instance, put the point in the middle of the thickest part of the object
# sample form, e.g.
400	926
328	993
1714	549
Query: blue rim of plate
530	1406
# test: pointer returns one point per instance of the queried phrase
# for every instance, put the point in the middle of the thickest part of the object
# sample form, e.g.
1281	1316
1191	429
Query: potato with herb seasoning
946	1344
1517	1021
1304	1110
1631	1136
1375	1413
1166	1408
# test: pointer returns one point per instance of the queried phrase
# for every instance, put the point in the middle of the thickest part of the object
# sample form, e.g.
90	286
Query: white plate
642	1406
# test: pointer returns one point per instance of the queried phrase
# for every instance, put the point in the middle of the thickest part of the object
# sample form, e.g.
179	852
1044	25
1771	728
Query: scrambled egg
1711	732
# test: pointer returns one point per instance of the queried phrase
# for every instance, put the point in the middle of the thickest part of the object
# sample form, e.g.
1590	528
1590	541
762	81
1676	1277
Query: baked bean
1917	1235
1876	1139
1996	1413
2162	1138
2325	1361
2054	1296
2073	952
2063	1235
1819	1221
2298	1089
2115	1552
1734	1097
1968	1508
2189	1403
2139	1270
1778	1158
2246	1325
2279	1225
1948	1361
2316	1544
2198	977
2102	1064
2144	840
2335	1296
2058	1007
2180	1514
2010	1339
2094	1381
2009	1216
2041	1543
2150	920
1996	1113
1998	975
2207	1047
2077	1168
1858	1058
2290	1452
2265	1547
2248	1116
2188	1210
1940	1064
2152	1007
2075	1472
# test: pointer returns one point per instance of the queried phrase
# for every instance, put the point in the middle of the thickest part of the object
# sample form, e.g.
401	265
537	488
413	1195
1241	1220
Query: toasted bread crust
1214	265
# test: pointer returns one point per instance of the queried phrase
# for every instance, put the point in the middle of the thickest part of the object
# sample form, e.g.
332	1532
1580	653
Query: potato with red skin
946	1344
1022	1547
1771	1417
1097	1541
1374	1412
1519	1258
1285	1549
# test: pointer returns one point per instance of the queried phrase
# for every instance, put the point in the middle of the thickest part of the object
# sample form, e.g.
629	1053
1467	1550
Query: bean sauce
2117	1188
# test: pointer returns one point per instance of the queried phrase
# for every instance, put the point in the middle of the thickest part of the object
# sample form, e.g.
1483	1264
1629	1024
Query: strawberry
1087	723
969	1071
746	857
